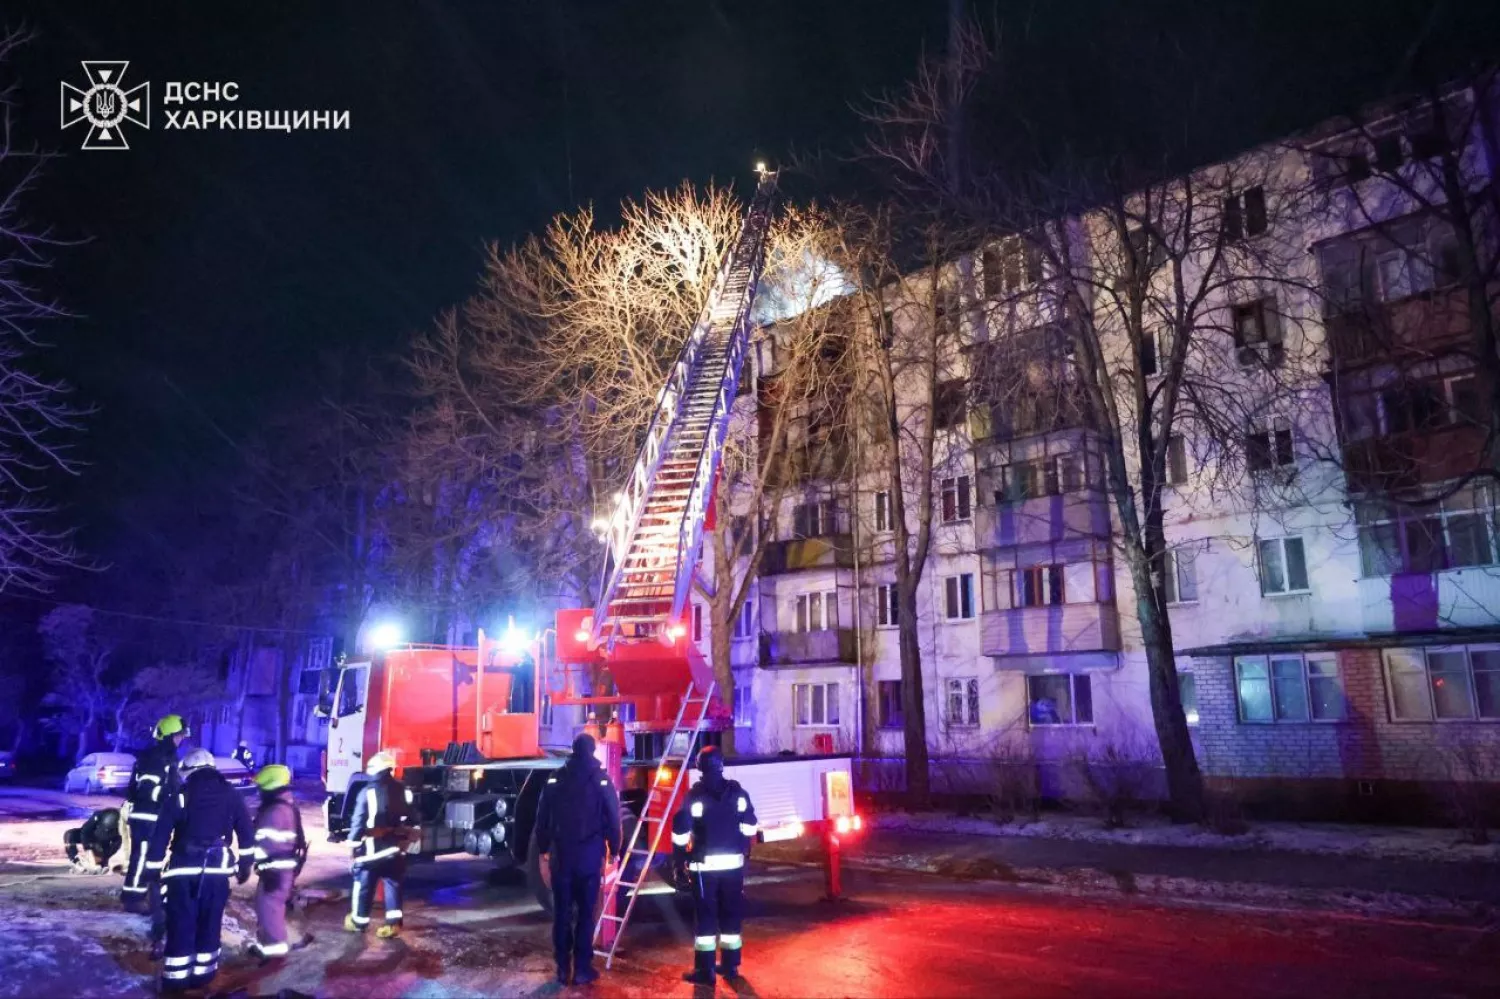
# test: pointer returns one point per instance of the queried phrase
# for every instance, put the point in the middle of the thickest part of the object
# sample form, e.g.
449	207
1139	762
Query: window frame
1177	465
958	594
697	622
887	606
1187	680
744	621
966	688
1073	679
812	702
1051	581
884	521
742	701
1305	660
1281	541
1429	698
1173	572
961	487
890	712
1479	503
826	603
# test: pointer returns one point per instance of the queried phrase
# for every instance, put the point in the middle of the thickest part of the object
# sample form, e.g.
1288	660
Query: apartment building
1334	592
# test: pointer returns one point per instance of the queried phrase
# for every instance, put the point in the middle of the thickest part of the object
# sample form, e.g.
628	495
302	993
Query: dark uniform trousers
143	877
197	889
719	913
575	894
388	873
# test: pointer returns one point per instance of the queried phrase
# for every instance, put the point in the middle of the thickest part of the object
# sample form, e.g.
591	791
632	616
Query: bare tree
36	416
82	651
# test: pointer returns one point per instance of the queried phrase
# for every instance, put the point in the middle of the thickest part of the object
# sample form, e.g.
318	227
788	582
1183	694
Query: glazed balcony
807	648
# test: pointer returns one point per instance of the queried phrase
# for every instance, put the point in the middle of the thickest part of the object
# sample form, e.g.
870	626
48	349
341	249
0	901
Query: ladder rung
612	919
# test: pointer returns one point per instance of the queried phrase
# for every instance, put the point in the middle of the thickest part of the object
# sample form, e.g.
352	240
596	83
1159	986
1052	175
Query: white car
100	772
238	775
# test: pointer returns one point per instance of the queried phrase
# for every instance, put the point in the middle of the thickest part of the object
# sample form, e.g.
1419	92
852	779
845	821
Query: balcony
807	648
827	552
1405	461
1043	520
1052	630
1423	323
826	461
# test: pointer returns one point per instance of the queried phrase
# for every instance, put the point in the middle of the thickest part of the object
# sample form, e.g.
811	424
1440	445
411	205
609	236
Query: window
1049	476
1149	252
958	597
1149	365
817	611
961	708
1291	687
1176	460
546	713
1270	447
744	623
1464	530
950	404
955	499
742	705
309	681
1283	566
817	704
1402	274
885	605
1060	699
1180	575
1257	332
697	622
1443	684
1039	586
1013	265
1187	693
1245	214
883	513
891	713
812	520
946	312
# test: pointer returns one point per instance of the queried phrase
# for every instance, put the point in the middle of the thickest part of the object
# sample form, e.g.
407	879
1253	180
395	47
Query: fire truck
462	722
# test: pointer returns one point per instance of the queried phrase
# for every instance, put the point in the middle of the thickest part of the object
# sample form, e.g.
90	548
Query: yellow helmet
381	762
168	726
273	777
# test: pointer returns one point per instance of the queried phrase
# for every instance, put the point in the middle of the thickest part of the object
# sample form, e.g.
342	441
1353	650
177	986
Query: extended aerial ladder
655	539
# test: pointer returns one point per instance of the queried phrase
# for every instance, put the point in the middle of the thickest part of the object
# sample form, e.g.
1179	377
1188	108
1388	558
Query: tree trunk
913	698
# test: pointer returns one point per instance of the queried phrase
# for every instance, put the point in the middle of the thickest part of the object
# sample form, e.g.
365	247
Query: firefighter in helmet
99	837
193	837
715	828
384	814
153	781
243	756
280	852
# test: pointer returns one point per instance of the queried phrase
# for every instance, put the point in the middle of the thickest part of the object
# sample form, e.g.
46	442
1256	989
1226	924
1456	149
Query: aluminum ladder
656	530
660	802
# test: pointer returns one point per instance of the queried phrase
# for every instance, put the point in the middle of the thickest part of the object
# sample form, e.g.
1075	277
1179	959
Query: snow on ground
1377	842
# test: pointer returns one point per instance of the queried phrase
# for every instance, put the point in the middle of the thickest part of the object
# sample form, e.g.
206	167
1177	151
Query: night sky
222	262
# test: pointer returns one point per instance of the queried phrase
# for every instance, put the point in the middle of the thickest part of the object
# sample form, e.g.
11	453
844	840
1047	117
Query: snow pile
1377	842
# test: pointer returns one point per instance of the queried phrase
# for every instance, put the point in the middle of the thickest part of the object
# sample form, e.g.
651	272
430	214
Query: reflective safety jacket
280	844
715	825
383	809
198	824
579	814
154	779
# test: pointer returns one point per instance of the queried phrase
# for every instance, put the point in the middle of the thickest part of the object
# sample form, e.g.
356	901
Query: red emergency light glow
676	631
664	775
581	635
846	824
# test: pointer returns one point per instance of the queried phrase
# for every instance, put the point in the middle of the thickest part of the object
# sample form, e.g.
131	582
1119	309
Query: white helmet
196	760
381	762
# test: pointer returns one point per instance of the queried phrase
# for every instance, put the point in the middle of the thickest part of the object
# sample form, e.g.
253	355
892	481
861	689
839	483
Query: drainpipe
859	658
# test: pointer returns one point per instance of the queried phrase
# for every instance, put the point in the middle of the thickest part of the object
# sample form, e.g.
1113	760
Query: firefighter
715	828
578	817
99	836
243	755
153	780
193	836
280	852
383	815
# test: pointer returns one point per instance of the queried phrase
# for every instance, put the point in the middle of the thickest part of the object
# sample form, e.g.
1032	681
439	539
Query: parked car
7	765
100	772
235	772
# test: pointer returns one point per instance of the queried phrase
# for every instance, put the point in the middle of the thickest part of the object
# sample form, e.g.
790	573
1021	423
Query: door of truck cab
346	727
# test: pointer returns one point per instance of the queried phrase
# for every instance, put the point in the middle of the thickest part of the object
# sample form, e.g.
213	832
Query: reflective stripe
376	856
748	829
392	914
742	804
279	835
156	793
276	865
730	941
354	902
719	862
179	872
259	853
604	782
408	796
142	817
705	943
132	888
179	962
174	975
361	920
208	957
203	970
154	777
372	805
551	780
681	839
273	950
696	809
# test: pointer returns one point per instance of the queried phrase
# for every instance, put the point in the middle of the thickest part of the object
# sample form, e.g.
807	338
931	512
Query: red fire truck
462	721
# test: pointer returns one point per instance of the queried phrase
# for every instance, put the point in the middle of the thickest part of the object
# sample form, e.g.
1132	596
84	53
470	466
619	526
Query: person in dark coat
715	828
384	814
577	820
99	836
280	852
194	837
153	780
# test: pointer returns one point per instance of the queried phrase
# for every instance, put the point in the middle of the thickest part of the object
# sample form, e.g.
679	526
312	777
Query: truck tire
538	876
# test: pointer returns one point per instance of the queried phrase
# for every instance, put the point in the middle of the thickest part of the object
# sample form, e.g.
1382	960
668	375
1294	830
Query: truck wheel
539	876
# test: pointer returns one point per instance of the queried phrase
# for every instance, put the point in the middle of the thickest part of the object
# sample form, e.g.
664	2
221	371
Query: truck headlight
501	808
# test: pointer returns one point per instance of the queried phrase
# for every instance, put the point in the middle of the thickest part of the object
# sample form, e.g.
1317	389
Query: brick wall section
1368	745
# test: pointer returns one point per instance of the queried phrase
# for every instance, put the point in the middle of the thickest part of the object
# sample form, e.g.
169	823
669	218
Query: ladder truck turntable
462	721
